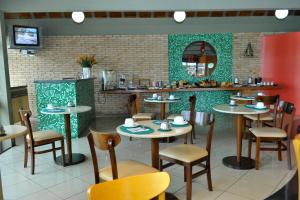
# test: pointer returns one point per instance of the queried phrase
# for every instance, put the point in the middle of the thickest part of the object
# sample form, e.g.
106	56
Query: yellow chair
141	187
296	143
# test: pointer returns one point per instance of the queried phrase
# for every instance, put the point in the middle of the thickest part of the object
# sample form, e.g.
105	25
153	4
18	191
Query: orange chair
141	187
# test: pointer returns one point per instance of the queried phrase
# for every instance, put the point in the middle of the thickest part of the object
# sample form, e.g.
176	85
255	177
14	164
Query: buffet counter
220	94
233	88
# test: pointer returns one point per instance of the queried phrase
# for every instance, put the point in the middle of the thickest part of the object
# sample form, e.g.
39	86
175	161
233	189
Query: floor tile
21	189
69	188
44	195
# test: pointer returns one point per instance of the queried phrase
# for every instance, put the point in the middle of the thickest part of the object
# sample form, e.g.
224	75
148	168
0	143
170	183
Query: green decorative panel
222	42
59	93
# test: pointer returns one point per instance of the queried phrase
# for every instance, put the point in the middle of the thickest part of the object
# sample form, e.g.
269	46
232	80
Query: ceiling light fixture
78	17
179	16
281	14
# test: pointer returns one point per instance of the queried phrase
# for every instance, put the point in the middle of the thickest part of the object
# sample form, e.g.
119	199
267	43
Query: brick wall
140	56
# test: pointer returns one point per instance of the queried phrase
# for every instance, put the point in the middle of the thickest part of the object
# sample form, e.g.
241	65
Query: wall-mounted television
24	37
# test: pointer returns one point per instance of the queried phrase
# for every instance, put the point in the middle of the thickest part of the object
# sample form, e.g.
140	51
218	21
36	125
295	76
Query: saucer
232	104
164	130
133	126
184	123
260	107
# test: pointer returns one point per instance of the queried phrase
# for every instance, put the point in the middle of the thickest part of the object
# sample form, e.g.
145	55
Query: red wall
281	63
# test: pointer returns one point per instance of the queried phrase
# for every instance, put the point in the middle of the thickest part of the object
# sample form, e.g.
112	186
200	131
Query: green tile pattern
59	94
222	42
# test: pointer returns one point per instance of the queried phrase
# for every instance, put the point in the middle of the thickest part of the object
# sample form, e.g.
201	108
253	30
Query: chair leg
54	151
184	174
289	153
208	175
25	152
257	153
32	159
130	138
63	152
279	151
249	145
160	164
188	171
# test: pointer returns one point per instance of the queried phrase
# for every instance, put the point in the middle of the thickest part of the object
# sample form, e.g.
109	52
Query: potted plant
86	62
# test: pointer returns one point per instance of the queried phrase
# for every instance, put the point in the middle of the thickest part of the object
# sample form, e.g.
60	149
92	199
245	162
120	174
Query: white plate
184	123
134	125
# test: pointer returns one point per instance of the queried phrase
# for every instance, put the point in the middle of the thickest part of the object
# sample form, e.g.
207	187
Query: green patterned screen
59	94
222	42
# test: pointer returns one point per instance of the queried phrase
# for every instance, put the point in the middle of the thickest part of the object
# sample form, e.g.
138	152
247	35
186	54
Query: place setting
53	109
132	127
257	106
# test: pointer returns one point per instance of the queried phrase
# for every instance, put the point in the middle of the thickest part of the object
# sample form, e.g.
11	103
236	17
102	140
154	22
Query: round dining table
238	161
162	103
155	136
71	158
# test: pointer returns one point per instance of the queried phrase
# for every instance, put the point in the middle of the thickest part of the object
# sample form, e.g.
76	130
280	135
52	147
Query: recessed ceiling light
78	17
281	14
179	16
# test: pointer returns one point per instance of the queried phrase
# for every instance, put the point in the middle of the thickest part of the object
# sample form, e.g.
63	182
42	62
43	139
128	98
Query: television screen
26	36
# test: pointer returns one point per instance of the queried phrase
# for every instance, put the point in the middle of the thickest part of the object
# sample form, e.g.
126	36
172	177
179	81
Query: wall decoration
222	42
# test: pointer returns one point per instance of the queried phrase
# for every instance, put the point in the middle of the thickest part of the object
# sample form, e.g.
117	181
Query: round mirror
199	59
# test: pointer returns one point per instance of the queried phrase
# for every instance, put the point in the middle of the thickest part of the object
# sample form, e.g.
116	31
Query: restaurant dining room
143	100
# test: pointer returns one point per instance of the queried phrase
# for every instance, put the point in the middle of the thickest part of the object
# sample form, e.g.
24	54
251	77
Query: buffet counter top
233	88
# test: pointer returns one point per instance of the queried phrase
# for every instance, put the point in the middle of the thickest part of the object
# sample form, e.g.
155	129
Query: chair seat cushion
184	152
146	116
126	168
171	117
262	117
268	132
39	136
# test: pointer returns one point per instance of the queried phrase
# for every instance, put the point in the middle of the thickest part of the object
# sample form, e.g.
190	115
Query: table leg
162	111
138	102
70	158
239	162
155	152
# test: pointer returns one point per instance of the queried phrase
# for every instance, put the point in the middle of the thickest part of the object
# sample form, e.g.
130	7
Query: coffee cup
50	106
178	120
260	105
171	97
164	126
154	96
129	122
239	94
159	98
232	102
260	94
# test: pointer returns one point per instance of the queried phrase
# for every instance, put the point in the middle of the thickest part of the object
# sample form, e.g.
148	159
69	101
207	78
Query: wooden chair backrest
104	141
296	143
146	186
287	117
131	105
192	101
271	101
24	116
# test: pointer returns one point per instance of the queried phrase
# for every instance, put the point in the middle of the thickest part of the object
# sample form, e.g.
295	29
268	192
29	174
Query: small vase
86	72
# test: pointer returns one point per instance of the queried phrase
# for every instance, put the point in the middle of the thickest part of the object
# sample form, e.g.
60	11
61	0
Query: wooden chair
296	143
274	134
37	139
132	109
192	117
267	118
108	142
141	187
188	156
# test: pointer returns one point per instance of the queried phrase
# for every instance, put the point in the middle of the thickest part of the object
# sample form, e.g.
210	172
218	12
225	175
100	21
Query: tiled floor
54	182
